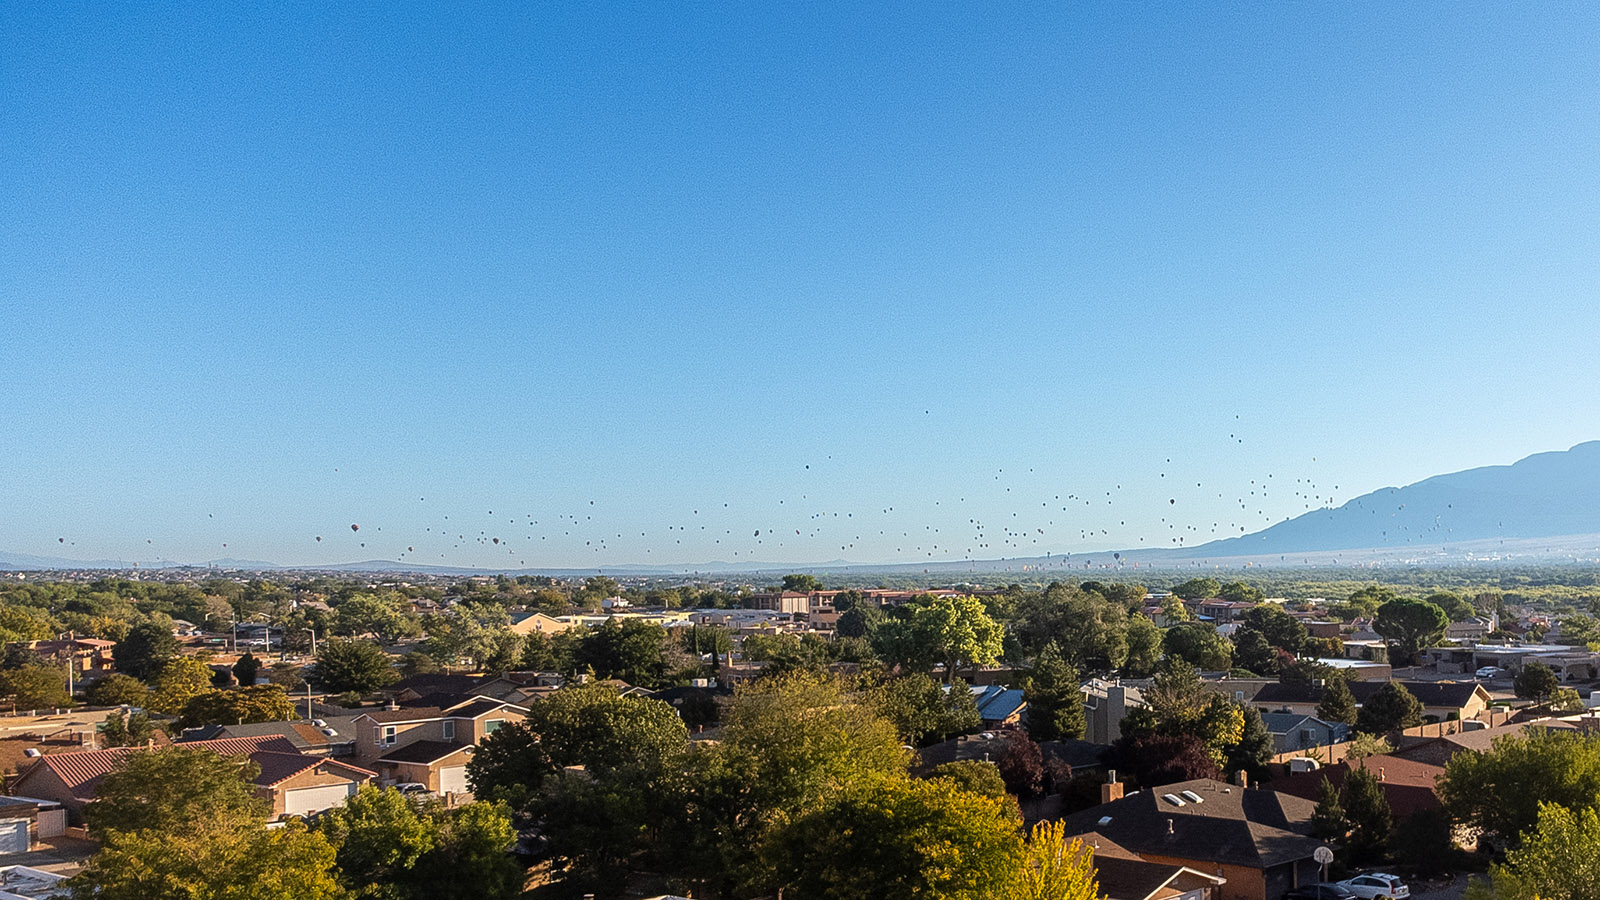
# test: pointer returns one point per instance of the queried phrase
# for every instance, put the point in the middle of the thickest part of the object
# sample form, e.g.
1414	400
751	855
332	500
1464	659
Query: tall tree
1055	698
1499	792
238	706
36	686
145	650
181	679
899	839
1199	644
801	583
1144	647
1281	630
957	631
1198	589
216	858
1054	867
1337	704
1559	860
1254	749
1367	808
1409	627
352	666
1328	821
1535	682
1390	709
167	788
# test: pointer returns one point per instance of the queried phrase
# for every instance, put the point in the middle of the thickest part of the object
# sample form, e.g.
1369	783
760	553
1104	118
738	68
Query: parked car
1376	886
1491	672
1325	891
413	789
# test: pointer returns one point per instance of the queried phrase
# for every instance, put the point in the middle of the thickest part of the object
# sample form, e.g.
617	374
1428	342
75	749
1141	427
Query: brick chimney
1111	790
1242	778
1380	773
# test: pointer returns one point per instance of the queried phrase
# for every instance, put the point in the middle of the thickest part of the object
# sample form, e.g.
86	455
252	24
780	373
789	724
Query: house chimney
1111	790
1243	778
1380	773
392	705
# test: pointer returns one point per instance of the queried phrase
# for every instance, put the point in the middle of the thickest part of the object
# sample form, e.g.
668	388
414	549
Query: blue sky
875	275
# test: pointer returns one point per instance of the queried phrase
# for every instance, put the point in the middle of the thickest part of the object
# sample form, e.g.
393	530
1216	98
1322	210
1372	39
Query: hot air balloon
355	527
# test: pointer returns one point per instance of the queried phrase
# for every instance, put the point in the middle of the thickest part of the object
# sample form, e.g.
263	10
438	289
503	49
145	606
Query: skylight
1174	799
1192	797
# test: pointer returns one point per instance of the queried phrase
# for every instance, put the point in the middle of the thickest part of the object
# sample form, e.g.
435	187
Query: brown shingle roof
424	752
1408	785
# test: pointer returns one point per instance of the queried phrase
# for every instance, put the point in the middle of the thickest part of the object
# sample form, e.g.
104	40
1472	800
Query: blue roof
996	703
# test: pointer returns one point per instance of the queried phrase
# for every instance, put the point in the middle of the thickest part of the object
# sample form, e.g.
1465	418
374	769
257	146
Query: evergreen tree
1328	822
1338	704
1055	700
1368	811
1254	749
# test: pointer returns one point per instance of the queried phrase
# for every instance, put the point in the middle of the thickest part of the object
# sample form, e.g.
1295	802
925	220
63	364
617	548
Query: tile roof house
1258	840
293	782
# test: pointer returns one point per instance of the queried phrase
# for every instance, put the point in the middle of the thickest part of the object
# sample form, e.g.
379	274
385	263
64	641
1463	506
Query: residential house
1258	840
1122	875
1223	612
1105	704
526	623
1408	784
293	782
320	737
89	656
1298	731
998	705
382	736
1442	700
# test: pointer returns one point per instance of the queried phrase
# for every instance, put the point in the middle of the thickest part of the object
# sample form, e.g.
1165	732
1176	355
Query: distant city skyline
861	280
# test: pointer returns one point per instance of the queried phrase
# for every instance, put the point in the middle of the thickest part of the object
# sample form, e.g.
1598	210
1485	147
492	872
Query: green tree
181	679
630	651
1409	627
1254	749
1362	746
979	776
1054	867
803	584
1281	630
1328	821
1091	633
237	706
1198	589
163	790
380	835
1499	792
353	666
1055	698
246	669
1559	859
860	620
1337	703
1252	652
1368	811
1199	644
1390	709
211	859
1535	682
1239	592
145	650
957	630
126	731
1144	647
1423	841
924	711
386	616
469	859
36	686
899	840
585	725
1456	607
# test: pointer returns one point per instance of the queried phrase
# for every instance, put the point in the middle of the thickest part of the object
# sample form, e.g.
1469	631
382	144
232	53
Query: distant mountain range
1547	505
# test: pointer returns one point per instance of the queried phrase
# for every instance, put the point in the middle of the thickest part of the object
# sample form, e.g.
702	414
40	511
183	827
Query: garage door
13	835
303	801
453	780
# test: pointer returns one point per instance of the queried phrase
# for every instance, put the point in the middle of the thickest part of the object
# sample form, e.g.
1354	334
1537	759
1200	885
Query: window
449	729
389	732
493	725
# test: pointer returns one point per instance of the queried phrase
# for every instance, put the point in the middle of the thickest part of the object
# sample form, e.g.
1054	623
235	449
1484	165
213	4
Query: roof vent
1192	797
1169	827
1174	799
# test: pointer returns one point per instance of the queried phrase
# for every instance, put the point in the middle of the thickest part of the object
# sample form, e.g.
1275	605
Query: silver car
1377	886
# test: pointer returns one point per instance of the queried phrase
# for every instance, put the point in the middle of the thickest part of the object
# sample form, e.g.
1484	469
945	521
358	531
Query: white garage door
303	801
453	780
13	835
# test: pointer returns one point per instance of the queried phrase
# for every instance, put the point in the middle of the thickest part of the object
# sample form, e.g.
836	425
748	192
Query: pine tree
1338	704
1328	822
1055	701
1254	748
1368	811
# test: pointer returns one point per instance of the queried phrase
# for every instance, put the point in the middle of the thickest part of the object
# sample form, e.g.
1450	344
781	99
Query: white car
1376	886
1491	672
